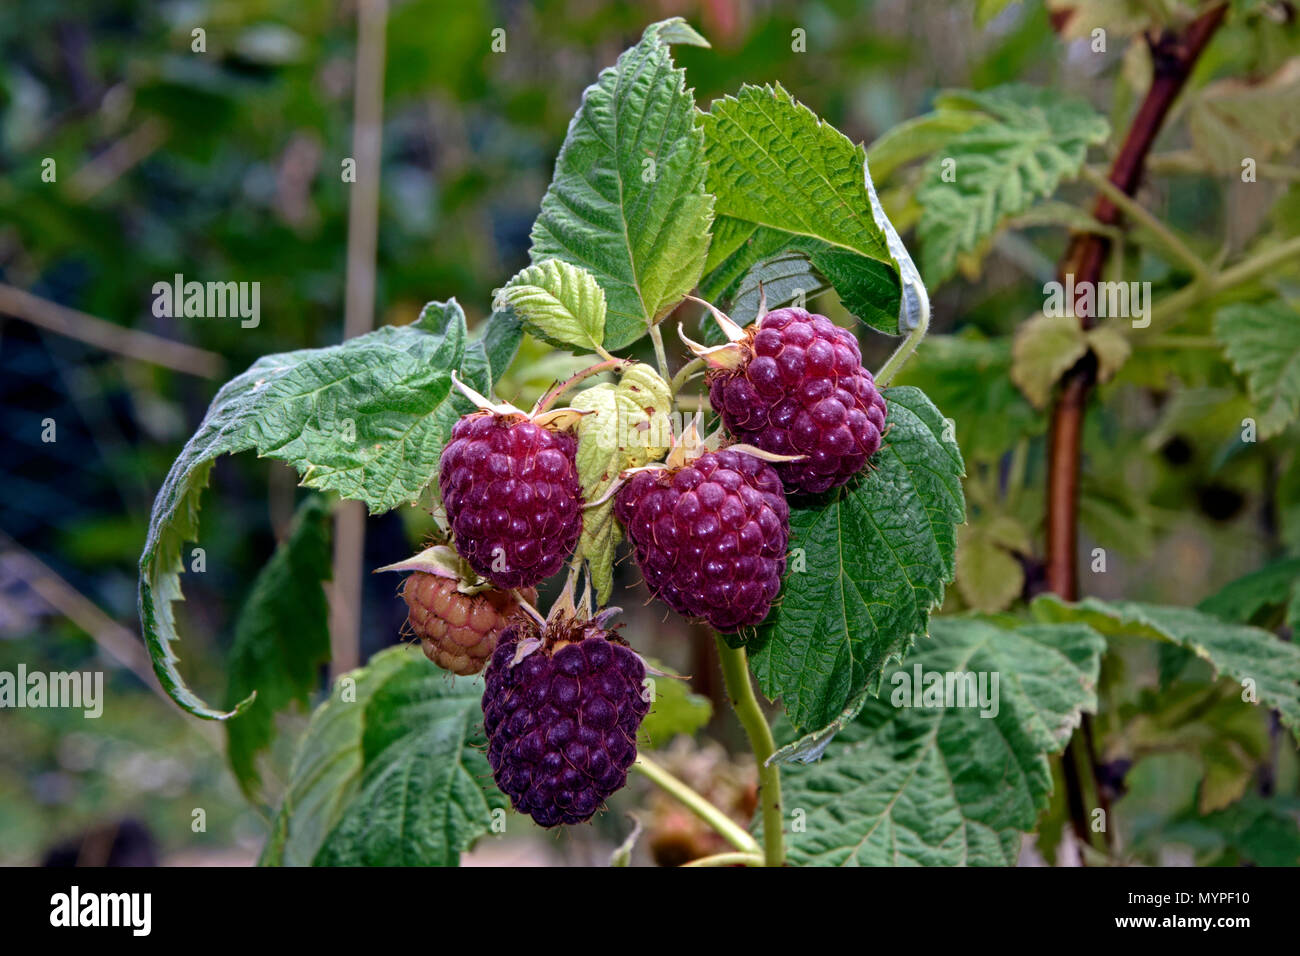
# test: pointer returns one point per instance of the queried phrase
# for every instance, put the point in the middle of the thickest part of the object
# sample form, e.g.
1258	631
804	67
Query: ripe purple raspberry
800	389
710	536
562	710
510	487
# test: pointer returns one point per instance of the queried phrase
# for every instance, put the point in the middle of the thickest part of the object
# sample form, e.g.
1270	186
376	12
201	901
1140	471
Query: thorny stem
1173	56
698	804
735	674
661	356
546	401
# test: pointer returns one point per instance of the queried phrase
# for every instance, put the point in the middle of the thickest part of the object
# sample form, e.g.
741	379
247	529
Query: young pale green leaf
627	202
1267	667
1262	341
923	778
281	640
788	183
628	427
1232	120
366	419
1043	348
391	771
558	302
989	574
1035	139
969	378
868	562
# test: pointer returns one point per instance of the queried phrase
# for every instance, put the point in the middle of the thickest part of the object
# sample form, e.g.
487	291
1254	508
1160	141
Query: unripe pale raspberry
510	487
458	631
710	537
561	711
800	389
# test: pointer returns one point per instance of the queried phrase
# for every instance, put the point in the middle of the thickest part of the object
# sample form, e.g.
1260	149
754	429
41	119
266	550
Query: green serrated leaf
424	793
281	640
627	201
1262	341
558	302
1273	587
1035	139
789	183
943	785
328	764
1271	665
868	562
1253	830
629	427
366	419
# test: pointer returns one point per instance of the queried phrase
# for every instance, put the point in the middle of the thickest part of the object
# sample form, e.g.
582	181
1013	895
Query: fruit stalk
735	673
726	828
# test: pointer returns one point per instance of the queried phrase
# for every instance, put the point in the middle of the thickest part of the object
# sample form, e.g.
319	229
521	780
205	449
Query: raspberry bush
800	509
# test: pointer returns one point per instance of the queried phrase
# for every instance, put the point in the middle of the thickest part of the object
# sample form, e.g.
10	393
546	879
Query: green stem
1140	214
735	672
728	859
727	828
660	355
904	351
1164	312
684	373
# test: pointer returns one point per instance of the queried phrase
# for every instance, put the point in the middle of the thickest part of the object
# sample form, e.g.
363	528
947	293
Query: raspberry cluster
561	710
710	537
800	389
510	487
459	631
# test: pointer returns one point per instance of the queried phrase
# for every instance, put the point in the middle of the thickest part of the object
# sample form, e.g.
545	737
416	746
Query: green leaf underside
878	552
943	785
1033	140
389	391
560	303
1262	341
627	201
281	639
397	777
786	182
1239	652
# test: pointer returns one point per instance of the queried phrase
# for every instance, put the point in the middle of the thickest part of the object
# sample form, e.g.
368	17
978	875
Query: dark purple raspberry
801	390
710	537
562	721
511	492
